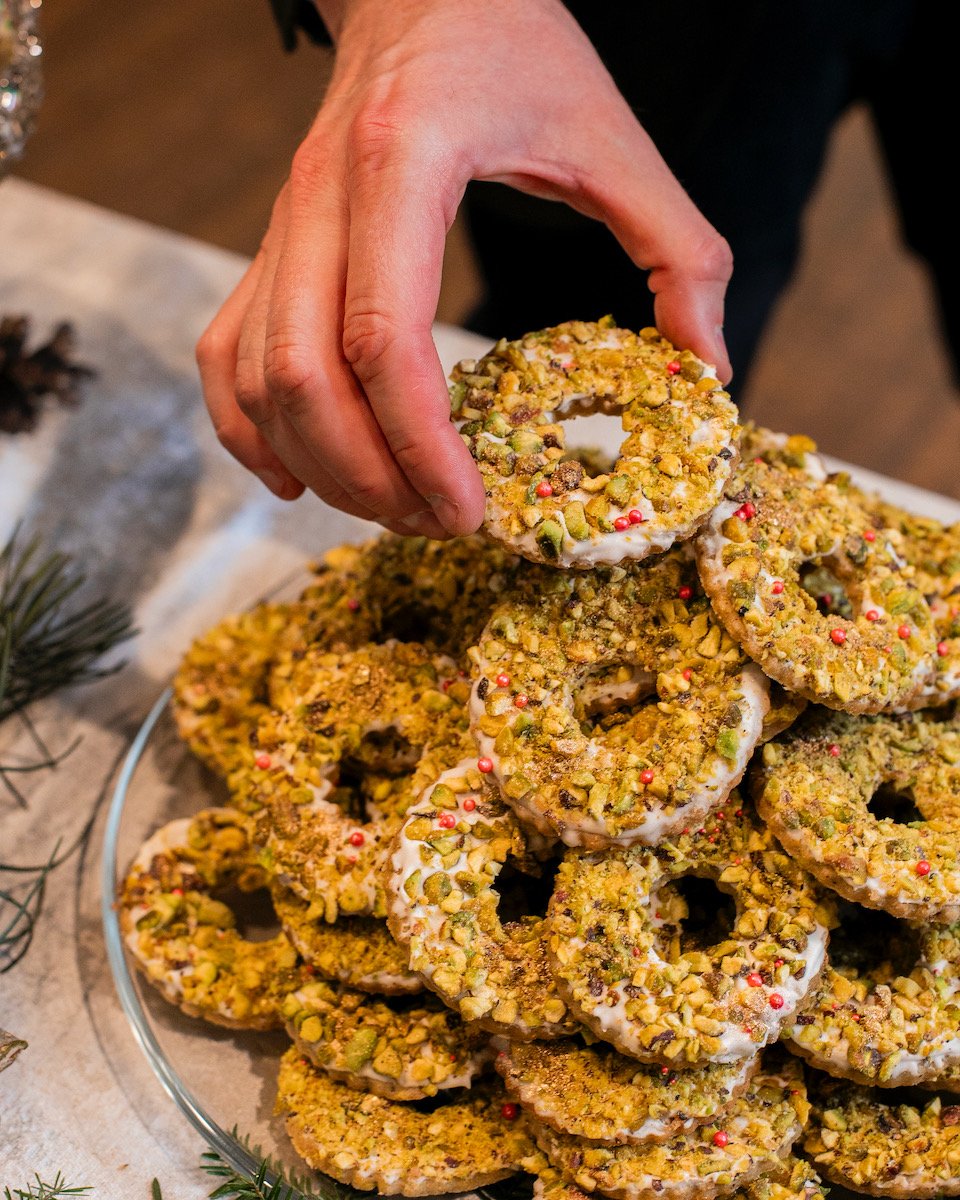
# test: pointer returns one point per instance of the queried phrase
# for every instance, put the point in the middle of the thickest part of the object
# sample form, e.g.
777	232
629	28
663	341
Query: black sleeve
299	15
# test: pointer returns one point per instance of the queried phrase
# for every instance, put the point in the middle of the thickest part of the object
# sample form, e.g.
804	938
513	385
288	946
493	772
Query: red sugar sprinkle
446	820
835	751
521	701
621	523
509	1111
873	615
356	838
446	683
746	511
673	368
263	762
943	649
923	867
635	952
351	858
635	516
775	1001
778	962
353	605
469	804
685	593
485	765
544	488
646	776
777	588
720	1138
838	637
754	979
503	680
177	891
687	673
870	535
904	631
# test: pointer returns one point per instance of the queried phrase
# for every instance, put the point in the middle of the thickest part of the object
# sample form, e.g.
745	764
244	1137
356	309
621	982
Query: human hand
320	371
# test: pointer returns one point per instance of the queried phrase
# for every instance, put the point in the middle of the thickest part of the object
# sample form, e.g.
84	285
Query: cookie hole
867	942
523	896
887	804
827	590
256	920
696	910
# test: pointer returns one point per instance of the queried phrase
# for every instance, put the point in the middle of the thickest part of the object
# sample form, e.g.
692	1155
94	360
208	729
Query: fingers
392	287
217	360
690	264
308	380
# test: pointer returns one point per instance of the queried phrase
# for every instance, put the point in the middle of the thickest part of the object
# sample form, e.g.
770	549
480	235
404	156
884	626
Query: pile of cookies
640	877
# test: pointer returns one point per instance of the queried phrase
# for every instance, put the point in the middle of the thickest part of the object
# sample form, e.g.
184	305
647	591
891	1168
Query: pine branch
43	1191
43	645
286	1185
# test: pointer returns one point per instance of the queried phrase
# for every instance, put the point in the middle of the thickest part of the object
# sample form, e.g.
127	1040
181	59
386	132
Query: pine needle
43	1191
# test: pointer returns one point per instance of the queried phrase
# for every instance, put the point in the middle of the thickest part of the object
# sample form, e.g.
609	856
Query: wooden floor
187	116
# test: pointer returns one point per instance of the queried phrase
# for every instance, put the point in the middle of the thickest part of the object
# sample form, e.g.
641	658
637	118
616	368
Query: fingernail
421	524
272	479
721	342
447	513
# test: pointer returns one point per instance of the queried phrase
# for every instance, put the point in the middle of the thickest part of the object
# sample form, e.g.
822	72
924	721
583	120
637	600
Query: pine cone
26	379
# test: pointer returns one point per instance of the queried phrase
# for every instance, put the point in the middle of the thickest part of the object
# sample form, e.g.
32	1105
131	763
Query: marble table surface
135	485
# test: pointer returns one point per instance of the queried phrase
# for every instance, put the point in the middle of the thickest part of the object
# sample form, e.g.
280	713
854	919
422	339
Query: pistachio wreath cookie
777	522
392	1050
562	646
749	1139
679	449
815	791
185	941
862	1139
441	880
593	1092
220	689
615	937
377	707
889	1016
933	551
791	1179
358	952
372	1143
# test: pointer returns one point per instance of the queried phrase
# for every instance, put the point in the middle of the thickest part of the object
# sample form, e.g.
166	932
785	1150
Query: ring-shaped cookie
397	1051
777	520
220	690
750	1138
882	1028
859	1139
679	449
441	874
815	789
791	1179
933	550
185	941
378	706
563	645
370	1142
406	588
593	1092
357	952
619	959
